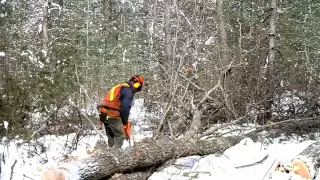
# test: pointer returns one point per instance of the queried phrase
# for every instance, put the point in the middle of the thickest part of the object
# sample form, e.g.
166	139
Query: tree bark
167	27
145	155
311	155
271	57
0	162
45	31
195	123
141	175
306	164
224	49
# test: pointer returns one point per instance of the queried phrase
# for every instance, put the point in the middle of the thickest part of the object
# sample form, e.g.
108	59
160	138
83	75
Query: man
115	108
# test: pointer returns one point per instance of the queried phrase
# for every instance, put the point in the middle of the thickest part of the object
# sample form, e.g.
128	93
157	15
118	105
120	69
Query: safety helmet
137	82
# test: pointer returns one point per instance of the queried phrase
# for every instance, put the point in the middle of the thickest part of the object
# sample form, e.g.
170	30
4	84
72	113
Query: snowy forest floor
21	160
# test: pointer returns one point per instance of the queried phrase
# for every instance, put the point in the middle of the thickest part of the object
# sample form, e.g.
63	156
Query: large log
144	155
306	164
311	157
141	175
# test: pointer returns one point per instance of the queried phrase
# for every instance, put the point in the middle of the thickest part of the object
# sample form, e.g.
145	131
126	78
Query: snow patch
209	41
5	124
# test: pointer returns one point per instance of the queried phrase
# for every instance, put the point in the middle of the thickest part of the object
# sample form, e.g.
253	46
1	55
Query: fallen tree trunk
144	155
311	157
306	164
142	175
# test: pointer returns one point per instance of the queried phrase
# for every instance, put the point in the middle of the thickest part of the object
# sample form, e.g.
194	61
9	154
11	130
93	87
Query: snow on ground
224	166
30	160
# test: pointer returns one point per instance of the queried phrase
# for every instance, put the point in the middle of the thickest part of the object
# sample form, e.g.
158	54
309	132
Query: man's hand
127	130
100	125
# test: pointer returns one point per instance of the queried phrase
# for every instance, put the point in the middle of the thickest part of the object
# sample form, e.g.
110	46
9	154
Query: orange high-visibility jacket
110	105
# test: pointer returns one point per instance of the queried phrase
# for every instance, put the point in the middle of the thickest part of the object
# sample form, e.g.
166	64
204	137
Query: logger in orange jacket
115	108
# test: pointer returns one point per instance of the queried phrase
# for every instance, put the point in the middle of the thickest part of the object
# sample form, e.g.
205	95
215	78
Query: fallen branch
44	124
25	176
270	169
301	123
253	164
196	172
12	167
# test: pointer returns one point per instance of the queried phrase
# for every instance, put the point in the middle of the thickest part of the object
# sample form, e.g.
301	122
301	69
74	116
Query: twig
25	176
218	85
15	161
92	124
196	86
168	106
203	172
309	70
208	93
255	163
272	165
44	125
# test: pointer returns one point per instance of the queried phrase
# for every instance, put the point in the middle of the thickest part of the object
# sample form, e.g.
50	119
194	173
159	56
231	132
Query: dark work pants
114	131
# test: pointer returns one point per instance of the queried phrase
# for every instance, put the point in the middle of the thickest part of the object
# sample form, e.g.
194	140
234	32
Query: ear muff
136	85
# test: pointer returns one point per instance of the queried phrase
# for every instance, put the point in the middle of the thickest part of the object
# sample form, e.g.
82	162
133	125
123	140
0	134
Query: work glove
100	125
127	130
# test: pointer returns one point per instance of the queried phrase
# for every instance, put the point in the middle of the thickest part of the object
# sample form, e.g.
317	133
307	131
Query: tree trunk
104	60
222	34
143	175
45	31
167	27
145	155
195	124
311	155
271	57
168	57
306	164
0	162
224	55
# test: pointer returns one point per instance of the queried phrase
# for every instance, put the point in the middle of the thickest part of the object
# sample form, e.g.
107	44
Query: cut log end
53	174
306	164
